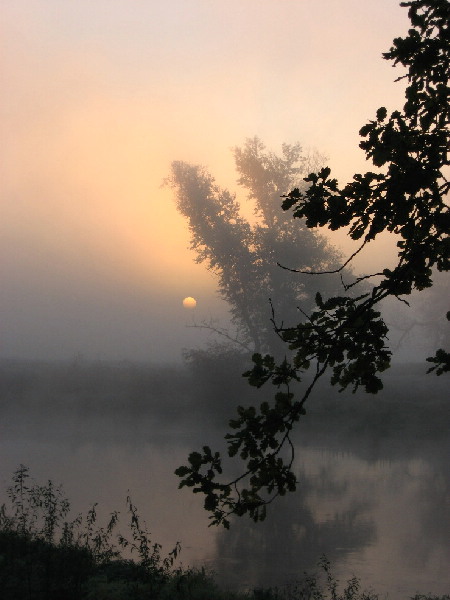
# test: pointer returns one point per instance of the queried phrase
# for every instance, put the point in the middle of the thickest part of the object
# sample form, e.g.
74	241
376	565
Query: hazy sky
99	96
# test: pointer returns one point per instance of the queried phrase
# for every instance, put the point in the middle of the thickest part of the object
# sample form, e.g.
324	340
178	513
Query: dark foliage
45	556
345	335
35	569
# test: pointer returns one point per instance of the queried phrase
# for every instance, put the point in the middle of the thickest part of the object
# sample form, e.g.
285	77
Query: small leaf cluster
265	369
441	359
346	334
200	475
441	362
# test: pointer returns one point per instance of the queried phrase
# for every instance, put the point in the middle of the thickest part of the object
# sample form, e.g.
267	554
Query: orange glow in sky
100	97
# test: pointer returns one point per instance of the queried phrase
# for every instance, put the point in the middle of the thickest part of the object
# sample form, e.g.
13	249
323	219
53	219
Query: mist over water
373	476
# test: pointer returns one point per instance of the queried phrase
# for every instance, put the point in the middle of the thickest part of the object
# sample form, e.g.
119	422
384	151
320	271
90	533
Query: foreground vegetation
43	555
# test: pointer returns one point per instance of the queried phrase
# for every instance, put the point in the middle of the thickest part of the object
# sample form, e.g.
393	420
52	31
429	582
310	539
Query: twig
325	272
221	332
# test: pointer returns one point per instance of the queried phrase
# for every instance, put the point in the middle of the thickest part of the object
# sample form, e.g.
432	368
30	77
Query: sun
189	302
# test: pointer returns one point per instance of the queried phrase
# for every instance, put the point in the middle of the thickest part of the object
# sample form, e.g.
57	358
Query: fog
103	96
95	261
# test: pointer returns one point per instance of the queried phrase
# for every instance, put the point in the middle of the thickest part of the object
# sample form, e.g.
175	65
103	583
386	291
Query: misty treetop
244	255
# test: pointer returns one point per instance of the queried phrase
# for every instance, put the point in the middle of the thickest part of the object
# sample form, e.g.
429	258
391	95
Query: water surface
374	484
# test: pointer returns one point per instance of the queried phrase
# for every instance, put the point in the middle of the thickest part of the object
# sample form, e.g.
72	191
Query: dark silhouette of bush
31	568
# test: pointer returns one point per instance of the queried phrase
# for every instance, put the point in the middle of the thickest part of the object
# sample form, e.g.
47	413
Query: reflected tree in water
282	548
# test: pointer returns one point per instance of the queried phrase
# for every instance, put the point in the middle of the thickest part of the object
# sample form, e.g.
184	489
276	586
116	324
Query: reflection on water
384	521
374	484
323	516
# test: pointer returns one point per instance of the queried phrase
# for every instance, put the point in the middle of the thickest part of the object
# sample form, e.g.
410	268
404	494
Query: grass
46	556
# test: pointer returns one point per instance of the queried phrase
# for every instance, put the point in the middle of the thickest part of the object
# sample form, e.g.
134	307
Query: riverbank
45	555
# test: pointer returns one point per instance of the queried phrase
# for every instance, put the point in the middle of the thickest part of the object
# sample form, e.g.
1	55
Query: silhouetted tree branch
337	270
221	332
346	336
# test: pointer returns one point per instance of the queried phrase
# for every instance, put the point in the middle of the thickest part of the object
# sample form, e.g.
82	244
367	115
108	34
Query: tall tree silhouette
245	256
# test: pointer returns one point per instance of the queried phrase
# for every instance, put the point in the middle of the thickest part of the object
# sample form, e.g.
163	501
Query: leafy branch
345	335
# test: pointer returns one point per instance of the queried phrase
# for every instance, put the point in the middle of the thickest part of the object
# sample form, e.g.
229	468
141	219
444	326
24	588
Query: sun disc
189	302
